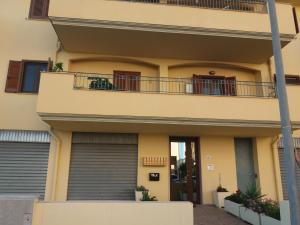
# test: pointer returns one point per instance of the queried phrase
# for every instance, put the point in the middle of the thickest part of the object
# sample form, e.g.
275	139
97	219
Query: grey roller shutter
283	174
23	168
103	166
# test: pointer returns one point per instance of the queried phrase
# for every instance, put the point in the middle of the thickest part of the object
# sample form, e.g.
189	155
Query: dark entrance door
184	169
244	163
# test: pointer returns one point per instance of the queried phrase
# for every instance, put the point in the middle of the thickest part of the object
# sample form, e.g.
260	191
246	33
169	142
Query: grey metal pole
289	157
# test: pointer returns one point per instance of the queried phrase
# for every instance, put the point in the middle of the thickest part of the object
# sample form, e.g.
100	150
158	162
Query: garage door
103	166
23	168
283	169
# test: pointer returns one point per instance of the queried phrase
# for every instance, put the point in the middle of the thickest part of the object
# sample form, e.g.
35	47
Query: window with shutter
296	20
31	75
13	81
290	79
24	76
216	85
39	9
127	80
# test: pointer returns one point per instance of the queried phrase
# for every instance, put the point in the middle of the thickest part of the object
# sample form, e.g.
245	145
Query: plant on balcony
99	83
57	67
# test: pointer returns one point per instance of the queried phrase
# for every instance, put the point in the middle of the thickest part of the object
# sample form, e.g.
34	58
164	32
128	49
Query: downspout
274	146
58	50
55	164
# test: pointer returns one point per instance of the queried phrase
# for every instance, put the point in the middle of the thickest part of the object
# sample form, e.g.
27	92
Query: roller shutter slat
283	175
103	167
23	167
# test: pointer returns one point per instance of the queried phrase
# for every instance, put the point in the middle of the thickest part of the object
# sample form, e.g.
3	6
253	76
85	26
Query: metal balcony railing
186	86
257	6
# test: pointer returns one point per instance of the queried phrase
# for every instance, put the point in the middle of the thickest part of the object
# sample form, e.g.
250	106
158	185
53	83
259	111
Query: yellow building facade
177	97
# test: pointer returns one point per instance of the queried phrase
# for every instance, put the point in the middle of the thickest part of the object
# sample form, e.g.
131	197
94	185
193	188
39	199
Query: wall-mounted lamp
212	72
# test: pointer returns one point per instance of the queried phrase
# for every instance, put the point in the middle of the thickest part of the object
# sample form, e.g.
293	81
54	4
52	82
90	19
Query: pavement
211	215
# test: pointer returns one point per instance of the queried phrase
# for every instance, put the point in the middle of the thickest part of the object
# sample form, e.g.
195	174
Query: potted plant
57	67
219	195
139	192
252	201
100	83
233	202
271	213
147	196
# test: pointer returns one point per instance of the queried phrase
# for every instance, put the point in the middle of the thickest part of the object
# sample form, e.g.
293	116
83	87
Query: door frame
198	159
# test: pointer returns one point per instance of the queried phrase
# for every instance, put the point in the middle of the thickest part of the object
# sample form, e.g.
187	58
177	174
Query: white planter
249	216
266	220
218	198
232	207
138	195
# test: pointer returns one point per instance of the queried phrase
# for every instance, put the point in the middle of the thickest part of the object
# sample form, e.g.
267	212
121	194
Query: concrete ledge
112	213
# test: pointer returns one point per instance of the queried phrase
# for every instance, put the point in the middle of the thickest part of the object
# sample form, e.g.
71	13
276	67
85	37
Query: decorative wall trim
165	28
163	120
24	136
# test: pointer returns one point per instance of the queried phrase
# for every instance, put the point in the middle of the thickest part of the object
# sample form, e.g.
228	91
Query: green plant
253	193
58	67
271	208
141	188
100	83
252	199
148	197
236	197
221	189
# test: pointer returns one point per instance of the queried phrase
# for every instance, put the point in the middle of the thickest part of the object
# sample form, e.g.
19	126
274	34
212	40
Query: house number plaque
154	176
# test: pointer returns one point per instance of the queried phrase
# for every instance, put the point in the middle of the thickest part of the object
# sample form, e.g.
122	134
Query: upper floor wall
22	38
118	27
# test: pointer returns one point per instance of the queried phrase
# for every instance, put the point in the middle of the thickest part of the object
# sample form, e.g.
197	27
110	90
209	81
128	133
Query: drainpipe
274	145
53	179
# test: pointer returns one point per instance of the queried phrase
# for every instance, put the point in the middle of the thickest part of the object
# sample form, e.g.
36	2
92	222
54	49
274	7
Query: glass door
184	170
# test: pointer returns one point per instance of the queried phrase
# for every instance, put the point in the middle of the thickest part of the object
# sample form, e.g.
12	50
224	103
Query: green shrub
271	208
141	188
221	189
236	197
148	197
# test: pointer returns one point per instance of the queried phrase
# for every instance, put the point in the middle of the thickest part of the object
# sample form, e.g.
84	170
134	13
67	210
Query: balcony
223	30
93	102
180	86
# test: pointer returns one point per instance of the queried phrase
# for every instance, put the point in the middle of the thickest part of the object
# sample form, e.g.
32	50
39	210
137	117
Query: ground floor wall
217	163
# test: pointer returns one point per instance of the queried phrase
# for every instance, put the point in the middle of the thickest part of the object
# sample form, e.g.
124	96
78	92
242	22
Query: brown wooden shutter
230	86
296	20
127	80
14	75
39	9
198	84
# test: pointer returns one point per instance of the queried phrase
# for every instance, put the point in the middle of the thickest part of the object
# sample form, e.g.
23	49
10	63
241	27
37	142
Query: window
31	76
24	76
39	9
216	85
127	81
291	79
